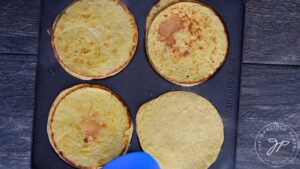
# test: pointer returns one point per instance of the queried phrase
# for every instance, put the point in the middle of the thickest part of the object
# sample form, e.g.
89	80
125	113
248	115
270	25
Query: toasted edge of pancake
196	82
158	7
56	102
90	77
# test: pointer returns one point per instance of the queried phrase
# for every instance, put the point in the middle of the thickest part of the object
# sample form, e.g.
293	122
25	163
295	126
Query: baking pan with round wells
138	82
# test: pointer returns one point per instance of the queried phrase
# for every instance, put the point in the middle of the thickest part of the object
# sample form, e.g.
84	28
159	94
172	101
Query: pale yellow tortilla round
181	130
94	39
89	125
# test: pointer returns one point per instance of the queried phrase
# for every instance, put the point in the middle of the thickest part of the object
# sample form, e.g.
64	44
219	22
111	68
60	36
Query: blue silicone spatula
136	160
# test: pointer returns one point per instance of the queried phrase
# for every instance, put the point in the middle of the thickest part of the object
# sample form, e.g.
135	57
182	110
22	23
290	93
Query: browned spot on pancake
101	163
85	50
85	16
114	51
214	39
86	140
206	22
190	27
214	50
168	28
61	28
195	31
91	128
89	63
185	53
77	60
199	37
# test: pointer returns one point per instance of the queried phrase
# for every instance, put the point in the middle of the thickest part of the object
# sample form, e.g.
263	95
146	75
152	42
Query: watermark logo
276	144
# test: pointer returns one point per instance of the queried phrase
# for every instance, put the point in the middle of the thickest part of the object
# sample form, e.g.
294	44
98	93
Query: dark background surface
270	83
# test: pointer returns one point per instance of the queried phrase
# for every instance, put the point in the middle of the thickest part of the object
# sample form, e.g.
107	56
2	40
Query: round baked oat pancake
187	42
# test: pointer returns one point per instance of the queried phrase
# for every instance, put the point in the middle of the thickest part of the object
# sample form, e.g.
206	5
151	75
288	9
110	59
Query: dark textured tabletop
270	82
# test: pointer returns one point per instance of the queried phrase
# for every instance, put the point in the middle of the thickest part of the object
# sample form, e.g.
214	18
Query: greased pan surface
138	82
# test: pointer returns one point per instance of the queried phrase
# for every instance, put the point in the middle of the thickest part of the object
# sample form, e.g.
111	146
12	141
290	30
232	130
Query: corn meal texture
88	126
186	43
182	130
94	39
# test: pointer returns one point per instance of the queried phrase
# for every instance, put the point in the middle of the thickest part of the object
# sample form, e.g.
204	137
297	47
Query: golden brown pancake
181	130
89	125
187	42
94	39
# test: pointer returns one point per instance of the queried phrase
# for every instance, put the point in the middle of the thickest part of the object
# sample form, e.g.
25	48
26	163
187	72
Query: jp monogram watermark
276	144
